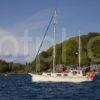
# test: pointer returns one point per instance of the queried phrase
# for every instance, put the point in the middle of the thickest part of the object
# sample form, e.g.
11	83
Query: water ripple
20	87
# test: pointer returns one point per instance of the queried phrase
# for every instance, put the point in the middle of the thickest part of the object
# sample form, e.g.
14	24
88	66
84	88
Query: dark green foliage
67	53
11	67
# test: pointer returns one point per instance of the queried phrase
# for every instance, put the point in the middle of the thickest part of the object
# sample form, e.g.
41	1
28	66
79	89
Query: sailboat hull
74	79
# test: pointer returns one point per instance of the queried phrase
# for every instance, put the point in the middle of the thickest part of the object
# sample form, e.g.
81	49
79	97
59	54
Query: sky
26	20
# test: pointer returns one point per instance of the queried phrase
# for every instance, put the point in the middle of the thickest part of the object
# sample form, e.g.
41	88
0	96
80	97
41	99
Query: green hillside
11	67
67	53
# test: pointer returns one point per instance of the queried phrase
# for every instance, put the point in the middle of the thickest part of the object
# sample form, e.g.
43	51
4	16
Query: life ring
91	75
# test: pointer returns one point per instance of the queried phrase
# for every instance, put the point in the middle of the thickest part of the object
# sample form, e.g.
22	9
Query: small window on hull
65	75
74	72
58	74
78	72
49	74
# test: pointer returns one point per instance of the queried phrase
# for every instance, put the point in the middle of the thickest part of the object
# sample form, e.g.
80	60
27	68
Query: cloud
4	32
11	46
16	47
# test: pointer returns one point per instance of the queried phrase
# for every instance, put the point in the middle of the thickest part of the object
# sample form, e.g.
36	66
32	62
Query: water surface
20	87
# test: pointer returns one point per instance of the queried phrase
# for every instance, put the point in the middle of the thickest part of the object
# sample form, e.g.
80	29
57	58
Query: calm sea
20	87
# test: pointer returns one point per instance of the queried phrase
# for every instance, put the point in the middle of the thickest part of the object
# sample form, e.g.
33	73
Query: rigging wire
46	31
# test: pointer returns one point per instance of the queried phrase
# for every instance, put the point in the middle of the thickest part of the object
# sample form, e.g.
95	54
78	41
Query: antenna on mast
54	39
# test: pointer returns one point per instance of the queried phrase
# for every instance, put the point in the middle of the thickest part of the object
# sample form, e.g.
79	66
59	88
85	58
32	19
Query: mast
79	54
54	40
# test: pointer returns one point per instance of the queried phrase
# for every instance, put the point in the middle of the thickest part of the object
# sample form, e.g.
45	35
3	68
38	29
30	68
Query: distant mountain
67	52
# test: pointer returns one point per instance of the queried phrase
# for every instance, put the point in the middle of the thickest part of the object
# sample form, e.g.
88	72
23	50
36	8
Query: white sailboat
70	76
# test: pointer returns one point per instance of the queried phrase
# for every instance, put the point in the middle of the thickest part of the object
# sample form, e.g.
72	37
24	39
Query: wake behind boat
75	76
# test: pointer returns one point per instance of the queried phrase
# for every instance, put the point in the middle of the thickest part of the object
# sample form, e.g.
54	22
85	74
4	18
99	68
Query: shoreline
11	74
